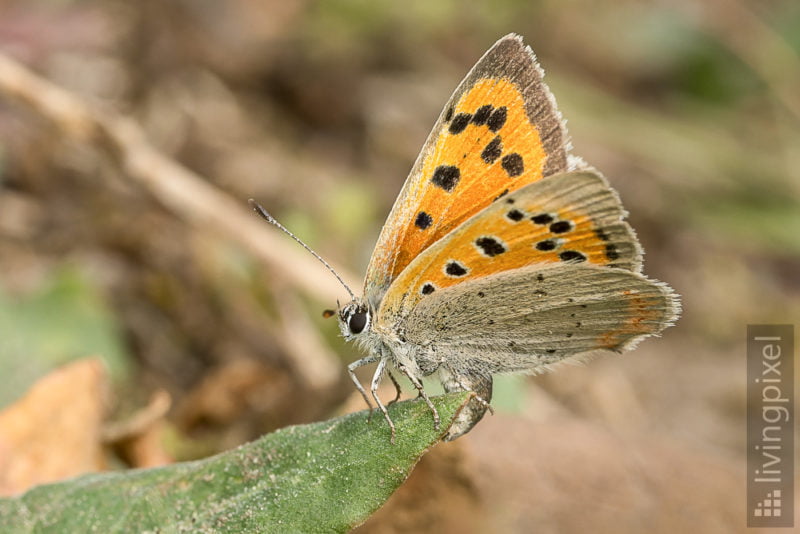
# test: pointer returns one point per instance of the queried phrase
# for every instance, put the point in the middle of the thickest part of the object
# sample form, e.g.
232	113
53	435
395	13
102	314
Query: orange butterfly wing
500	131
572	217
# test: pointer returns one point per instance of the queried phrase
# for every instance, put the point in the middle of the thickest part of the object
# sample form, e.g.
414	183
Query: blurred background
318	110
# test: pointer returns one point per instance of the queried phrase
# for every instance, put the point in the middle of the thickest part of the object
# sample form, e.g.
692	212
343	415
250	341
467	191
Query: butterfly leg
351	371
376	381
396	388
421	390
474	411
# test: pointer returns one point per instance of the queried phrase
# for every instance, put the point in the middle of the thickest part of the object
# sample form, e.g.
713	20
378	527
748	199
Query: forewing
498	132
528	318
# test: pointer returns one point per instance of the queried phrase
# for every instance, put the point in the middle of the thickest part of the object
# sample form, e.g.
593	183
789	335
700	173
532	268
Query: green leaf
322	477
66	319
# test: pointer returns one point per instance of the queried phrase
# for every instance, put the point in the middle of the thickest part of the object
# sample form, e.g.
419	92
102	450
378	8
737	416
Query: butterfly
503	252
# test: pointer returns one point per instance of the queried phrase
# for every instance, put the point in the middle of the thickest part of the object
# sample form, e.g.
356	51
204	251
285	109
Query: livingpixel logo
770	426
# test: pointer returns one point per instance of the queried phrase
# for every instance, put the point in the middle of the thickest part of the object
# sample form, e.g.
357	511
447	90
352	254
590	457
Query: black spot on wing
423	220
497	119
492	150
482	115
515	215
460	123
542	218
455	268
560	227
572	255
512	164
446	177
490	246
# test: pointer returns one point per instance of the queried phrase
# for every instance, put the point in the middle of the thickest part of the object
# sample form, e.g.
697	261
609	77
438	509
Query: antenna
270	219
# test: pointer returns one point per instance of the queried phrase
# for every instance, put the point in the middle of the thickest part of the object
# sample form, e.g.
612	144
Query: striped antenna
270	219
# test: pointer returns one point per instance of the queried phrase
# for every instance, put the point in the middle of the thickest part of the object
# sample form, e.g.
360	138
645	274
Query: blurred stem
179	189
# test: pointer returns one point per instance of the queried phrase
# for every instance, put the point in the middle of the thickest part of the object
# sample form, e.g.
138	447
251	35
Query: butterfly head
354	319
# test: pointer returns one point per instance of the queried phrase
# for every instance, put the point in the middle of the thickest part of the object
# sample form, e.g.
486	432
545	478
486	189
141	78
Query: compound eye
357	322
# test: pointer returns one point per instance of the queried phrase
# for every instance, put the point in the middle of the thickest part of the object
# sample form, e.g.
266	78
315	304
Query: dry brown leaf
146	449
139	440
53	432
230	391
